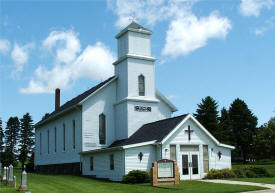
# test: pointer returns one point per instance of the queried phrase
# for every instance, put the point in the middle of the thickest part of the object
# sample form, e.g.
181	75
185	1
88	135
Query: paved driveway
270	186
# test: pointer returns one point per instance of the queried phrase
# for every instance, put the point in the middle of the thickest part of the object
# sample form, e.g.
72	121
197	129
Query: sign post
165	172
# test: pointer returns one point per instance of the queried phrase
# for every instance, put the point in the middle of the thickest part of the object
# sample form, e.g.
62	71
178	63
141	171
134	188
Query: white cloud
268	25
186	34
4	46
254	7
94	62
66	43
20	56
186	31
260	31
149	11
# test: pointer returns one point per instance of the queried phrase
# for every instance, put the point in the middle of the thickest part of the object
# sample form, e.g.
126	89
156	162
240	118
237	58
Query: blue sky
224	49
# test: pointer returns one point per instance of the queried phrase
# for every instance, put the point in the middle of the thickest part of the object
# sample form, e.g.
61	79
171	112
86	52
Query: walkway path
270	186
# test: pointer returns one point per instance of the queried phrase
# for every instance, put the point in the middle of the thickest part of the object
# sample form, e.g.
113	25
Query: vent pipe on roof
57	98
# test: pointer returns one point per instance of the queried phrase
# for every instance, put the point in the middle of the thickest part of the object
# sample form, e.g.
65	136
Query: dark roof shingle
151	131
75	100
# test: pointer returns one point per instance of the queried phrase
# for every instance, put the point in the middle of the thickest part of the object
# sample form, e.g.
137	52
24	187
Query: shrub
240	172
250	174
258	172
219	174
136	176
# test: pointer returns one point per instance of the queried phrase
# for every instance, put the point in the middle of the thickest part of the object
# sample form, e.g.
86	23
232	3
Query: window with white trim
141	85
102	129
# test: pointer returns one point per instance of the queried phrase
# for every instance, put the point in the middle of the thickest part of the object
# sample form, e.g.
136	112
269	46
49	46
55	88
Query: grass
269	167
38	183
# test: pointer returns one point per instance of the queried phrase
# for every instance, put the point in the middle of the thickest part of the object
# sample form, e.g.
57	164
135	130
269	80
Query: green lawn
38	183
269	167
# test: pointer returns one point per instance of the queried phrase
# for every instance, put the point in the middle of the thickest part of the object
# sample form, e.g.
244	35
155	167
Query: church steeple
135	70
134	59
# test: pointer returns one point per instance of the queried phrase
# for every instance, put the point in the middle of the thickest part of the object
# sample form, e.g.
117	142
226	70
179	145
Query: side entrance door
190	166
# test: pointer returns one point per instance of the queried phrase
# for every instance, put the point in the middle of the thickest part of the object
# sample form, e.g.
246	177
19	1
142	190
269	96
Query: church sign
165	172
165	169
143	109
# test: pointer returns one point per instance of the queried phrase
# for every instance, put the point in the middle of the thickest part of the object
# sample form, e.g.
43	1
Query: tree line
237	126
17	141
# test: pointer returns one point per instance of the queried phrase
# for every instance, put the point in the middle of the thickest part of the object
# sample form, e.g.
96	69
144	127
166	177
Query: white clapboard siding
102	165
70	155
132	161
101	102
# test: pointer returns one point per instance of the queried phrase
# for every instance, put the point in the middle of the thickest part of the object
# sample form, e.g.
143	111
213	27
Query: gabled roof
68	105
155	131
160	131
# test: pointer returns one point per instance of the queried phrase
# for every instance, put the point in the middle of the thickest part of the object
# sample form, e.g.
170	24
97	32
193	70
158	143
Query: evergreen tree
30	165
11	134
207	115
1	136
225	129
26	141
11	138
263	143
271	123
244	128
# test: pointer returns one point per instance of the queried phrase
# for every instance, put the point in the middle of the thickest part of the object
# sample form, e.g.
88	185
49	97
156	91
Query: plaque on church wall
143	109
165	170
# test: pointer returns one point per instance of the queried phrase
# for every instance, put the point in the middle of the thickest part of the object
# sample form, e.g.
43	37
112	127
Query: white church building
124	124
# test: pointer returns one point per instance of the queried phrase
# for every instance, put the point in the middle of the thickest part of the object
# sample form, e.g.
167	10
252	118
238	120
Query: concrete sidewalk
270	186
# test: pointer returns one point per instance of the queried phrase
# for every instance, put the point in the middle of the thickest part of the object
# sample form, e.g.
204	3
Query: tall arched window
102	129
141	85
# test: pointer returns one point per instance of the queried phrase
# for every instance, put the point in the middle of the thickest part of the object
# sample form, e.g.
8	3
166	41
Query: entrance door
190	166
